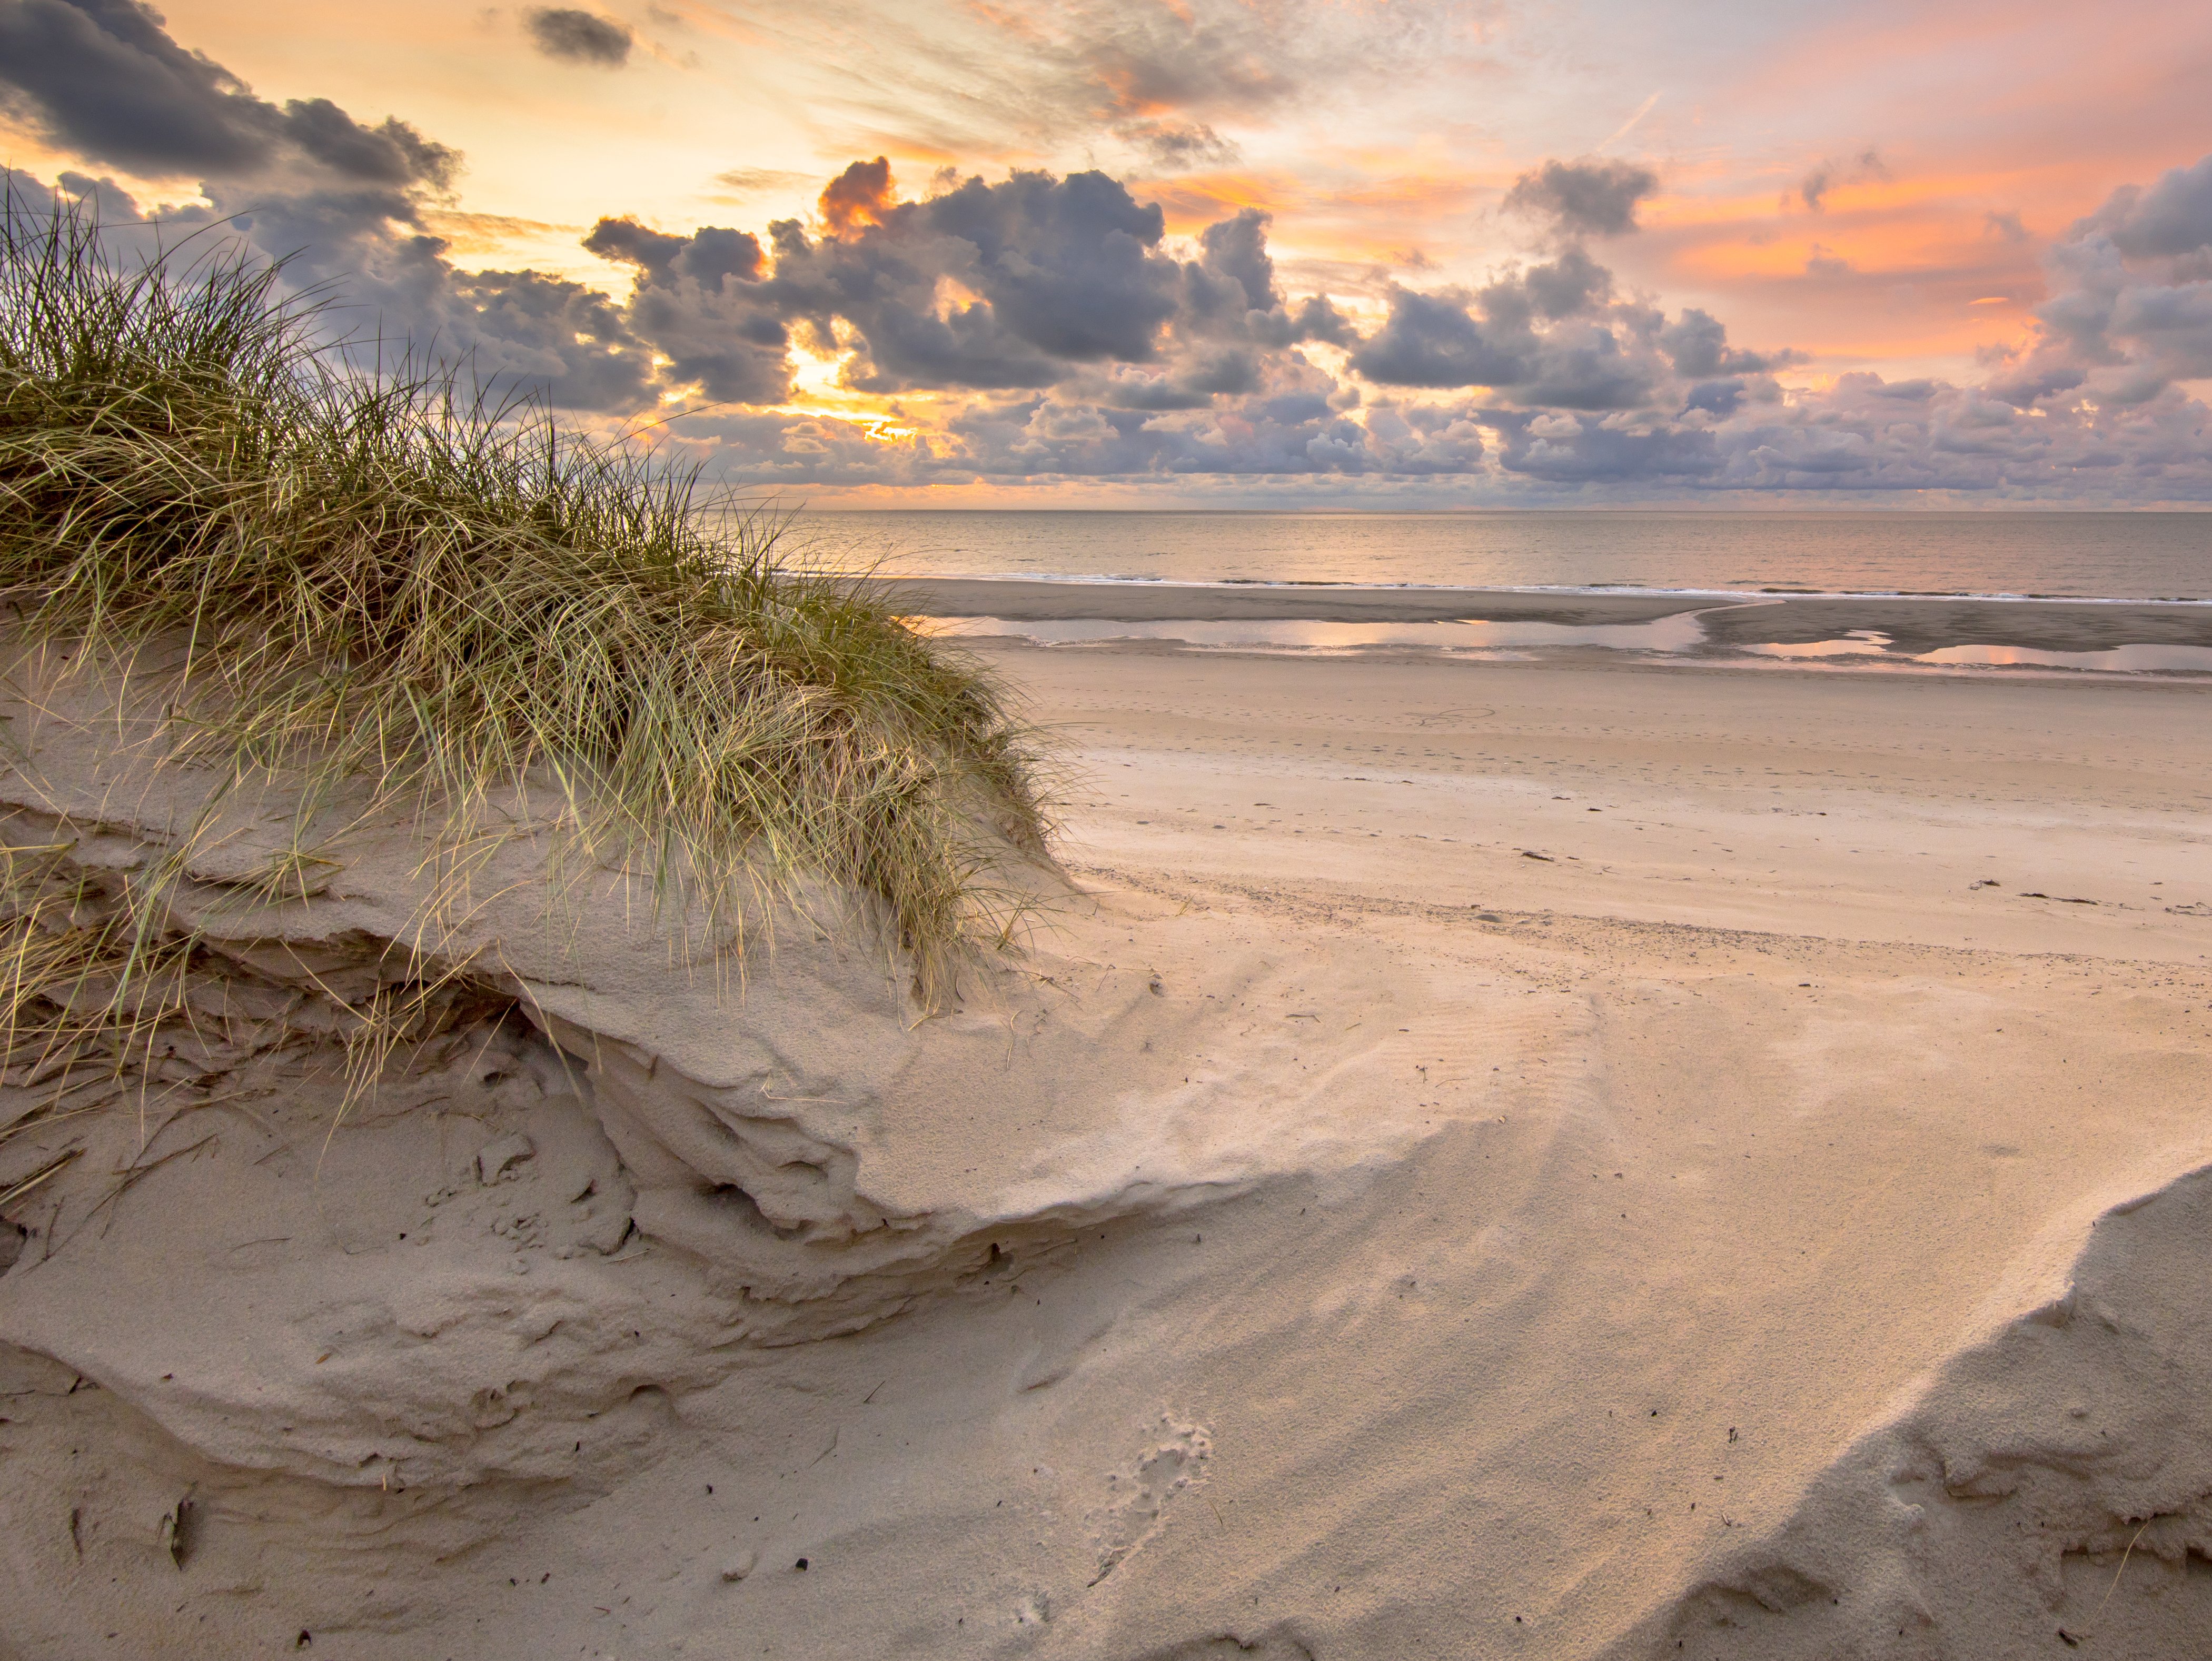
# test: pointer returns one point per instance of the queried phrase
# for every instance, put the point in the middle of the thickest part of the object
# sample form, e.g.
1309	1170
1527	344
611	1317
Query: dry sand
1551	1159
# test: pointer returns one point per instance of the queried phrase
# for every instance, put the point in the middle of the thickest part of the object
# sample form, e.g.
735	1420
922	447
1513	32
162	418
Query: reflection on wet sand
1684	634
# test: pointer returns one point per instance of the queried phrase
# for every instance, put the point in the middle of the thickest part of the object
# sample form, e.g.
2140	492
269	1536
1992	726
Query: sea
2094	555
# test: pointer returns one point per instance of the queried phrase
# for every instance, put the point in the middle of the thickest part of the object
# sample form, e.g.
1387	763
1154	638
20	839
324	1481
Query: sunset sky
1326	252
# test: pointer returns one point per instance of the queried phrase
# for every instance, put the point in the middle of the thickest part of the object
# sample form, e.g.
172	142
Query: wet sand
1913	623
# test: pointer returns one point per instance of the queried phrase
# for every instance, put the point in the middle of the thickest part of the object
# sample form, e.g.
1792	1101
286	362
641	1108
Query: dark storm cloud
578	37
1589	197
103	78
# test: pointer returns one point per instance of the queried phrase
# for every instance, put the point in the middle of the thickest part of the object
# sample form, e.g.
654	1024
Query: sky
1327	254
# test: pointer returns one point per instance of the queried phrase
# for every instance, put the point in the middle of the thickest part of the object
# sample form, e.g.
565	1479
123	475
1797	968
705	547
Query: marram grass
378	584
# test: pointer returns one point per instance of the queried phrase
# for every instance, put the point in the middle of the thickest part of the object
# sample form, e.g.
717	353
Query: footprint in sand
1137	1499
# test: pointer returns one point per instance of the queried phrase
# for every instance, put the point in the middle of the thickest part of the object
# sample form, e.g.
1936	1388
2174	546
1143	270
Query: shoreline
1729	619
1307	584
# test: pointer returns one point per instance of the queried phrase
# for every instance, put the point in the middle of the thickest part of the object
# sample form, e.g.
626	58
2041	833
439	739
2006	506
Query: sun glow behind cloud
1880	191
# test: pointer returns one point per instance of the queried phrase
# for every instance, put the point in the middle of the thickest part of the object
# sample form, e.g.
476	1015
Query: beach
1488	1157
1150	830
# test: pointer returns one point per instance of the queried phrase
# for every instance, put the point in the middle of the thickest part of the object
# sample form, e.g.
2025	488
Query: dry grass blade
52	1168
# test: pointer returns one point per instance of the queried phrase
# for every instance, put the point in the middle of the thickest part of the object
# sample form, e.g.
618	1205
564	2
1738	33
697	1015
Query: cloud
1866	434
1433	340
1061	272
700	302
1026	283
1697	342
2173	217
1175	146
1172	79
102	78
570	345
1039	326
1581	450
1057	294
105	80
1566	287
2130	311
1547	335
747	181
1144	362
578	37
1236	248
1589	197
857	196
1814	188
345	201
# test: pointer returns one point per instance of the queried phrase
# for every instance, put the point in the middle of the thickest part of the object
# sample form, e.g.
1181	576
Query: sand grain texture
1395	1209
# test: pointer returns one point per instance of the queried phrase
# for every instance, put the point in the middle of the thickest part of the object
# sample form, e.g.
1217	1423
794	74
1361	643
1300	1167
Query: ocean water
2097	555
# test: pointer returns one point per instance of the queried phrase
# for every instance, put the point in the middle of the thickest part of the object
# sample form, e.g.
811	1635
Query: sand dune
1491	1159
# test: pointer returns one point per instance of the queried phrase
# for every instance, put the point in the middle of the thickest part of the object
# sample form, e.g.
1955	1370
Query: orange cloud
858	195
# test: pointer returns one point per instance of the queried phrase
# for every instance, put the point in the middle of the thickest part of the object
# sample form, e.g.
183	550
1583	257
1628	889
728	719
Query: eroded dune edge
602	1167
618	1229
2039	1475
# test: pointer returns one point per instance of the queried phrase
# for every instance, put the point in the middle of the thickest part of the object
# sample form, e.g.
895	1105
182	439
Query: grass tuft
381	579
